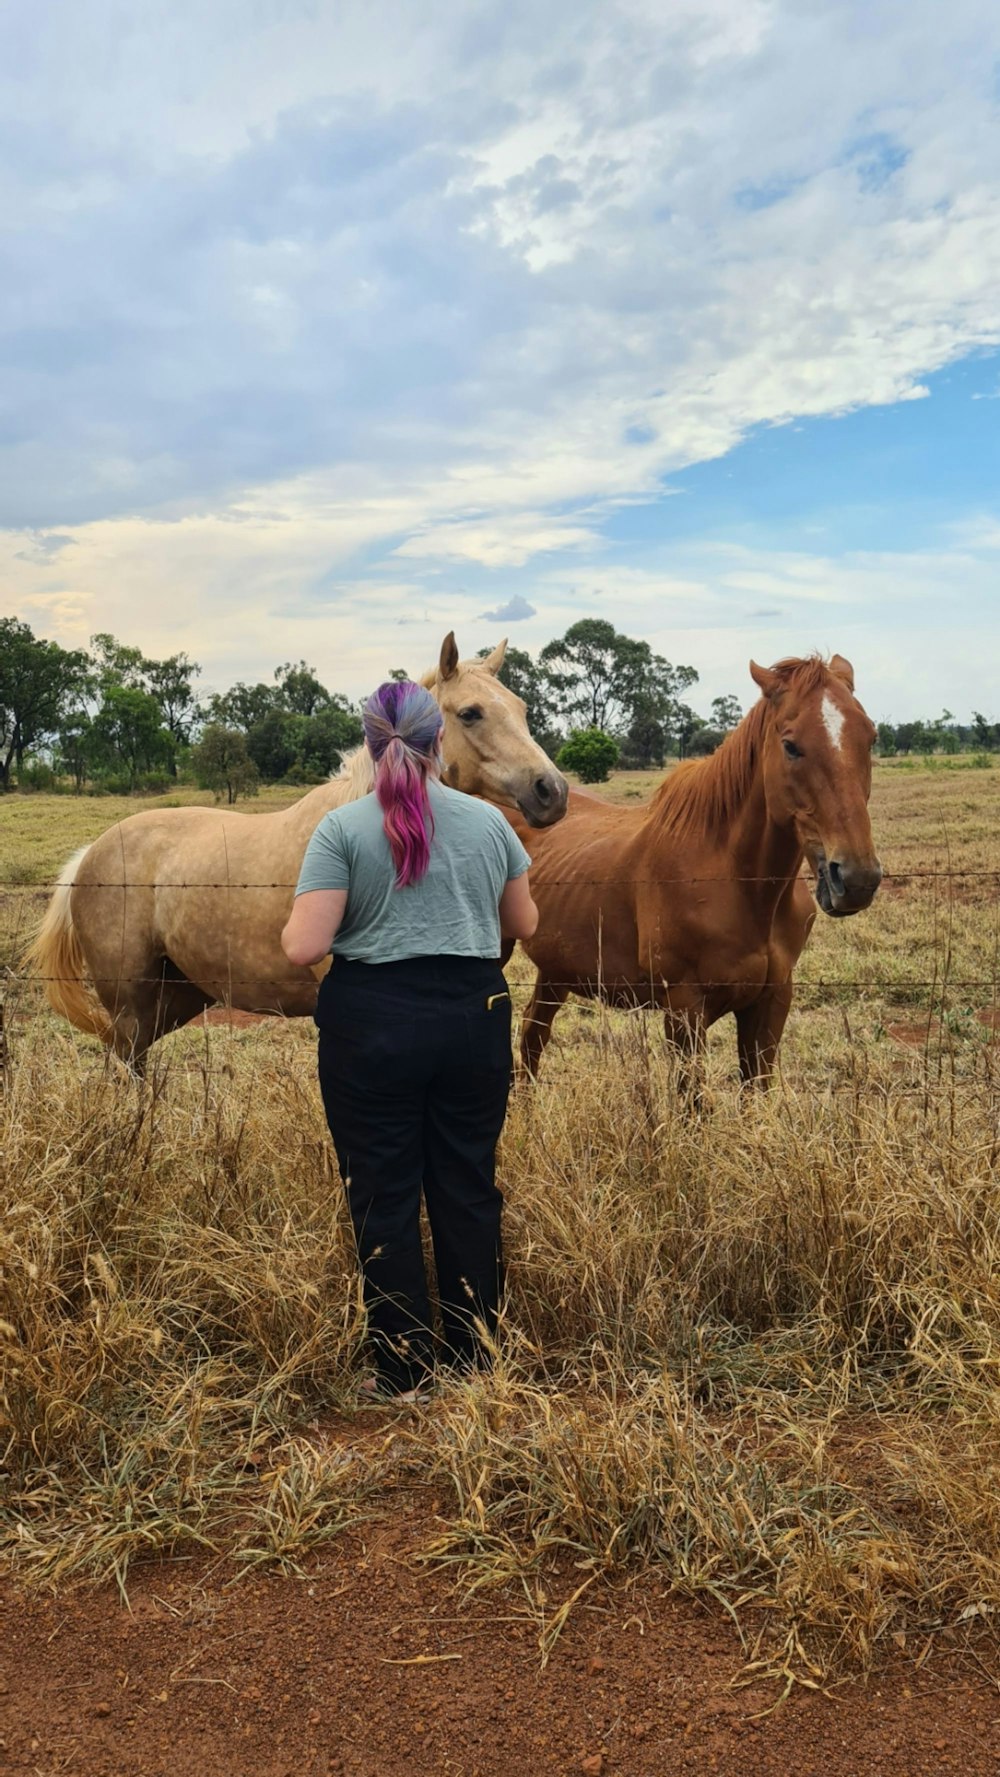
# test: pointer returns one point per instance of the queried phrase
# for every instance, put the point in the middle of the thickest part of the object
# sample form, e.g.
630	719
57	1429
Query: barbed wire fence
929	996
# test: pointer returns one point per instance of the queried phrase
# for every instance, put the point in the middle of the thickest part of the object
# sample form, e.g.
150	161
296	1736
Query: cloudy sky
327	326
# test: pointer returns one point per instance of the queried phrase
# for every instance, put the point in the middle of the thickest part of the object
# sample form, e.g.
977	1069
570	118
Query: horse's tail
56	956
358	773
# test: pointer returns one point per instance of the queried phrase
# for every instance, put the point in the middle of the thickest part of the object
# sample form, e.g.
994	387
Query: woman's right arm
320	897
312	925
518	913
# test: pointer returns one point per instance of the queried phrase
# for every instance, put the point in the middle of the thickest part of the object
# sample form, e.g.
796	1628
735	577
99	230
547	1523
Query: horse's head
487	750
818	774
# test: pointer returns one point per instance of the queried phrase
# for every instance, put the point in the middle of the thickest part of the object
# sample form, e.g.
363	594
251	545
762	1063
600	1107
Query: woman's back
451	911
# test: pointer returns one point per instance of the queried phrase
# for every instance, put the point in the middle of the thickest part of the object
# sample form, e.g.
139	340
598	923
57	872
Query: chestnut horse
695	903
176	908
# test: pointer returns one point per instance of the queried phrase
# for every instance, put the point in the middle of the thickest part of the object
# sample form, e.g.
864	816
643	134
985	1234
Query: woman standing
412	888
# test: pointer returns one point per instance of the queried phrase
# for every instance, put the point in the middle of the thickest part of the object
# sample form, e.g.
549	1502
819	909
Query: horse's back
207	889
222	846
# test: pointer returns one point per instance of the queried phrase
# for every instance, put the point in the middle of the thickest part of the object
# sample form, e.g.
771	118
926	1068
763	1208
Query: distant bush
35	774
120	783
590	753
704	742
222	763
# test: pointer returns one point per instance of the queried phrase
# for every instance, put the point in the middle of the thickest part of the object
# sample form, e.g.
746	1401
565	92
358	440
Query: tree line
113	719
942	735
116	720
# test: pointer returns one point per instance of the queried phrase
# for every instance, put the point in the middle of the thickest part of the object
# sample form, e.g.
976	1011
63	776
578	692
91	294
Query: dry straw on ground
758	1350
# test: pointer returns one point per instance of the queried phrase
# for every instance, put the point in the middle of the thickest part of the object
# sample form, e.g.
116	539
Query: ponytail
402	724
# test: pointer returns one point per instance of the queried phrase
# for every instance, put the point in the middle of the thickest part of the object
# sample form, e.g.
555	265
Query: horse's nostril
836	876
543	789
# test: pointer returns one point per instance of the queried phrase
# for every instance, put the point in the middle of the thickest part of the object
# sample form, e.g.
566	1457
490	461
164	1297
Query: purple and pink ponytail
402	724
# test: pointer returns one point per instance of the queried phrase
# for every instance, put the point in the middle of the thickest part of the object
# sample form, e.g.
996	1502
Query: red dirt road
370	1667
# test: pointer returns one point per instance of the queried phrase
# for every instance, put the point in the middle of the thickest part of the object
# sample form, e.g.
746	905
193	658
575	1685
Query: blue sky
325	328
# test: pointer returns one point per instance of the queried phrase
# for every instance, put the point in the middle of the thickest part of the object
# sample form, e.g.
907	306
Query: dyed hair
402	723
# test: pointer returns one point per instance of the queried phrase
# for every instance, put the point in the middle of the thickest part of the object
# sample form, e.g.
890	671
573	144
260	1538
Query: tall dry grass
756	1351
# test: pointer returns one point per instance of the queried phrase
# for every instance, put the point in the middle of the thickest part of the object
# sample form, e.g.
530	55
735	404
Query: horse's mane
358	772
705	794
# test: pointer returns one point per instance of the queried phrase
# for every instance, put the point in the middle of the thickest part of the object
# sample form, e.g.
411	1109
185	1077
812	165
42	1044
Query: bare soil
371	1665
914	1033
235	1019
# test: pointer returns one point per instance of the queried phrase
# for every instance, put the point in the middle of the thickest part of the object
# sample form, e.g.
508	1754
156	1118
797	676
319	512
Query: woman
412	888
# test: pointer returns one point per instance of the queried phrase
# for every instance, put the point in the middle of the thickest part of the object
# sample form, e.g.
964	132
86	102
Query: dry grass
757	1351
37	833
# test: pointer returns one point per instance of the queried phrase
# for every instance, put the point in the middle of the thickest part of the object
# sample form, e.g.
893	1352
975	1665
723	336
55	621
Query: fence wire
902	993
614	990
900	878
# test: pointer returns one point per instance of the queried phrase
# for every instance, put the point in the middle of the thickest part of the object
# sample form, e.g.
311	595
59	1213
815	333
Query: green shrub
590	753
35	774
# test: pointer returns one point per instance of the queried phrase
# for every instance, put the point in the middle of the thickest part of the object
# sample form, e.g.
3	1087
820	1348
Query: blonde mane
706	794
358	772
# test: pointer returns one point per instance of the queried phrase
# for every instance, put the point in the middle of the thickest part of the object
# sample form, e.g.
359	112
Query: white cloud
516	610
292	349
507	540
255	250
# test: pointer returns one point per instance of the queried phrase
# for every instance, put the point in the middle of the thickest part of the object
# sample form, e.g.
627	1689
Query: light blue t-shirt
452	911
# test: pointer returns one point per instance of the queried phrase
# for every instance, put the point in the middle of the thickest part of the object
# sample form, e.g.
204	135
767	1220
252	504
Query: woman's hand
312	925
518	913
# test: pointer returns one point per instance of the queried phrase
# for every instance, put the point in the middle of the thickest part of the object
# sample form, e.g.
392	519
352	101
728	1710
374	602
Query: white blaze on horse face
833	720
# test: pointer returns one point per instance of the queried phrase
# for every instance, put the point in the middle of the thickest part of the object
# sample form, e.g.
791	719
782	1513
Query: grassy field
757	1349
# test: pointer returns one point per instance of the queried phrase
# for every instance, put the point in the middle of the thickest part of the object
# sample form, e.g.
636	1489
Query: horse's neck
764	856
719	818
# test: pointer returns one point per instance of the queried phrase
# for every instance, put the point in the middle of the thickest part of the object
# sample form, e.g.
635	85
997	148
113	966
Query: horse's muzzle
543	801
845	888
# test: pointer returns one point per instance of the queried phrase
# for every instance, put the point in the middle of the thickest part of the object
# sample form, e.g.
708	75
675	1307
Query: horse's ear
448	663
770	683
494	661
843	670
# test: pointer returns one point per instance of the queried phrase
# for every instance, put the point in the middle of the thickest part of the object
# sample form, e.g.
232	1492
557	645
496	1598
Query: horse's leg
685	1034
145	1004
178	1000
133	1034
536	1025
758	1033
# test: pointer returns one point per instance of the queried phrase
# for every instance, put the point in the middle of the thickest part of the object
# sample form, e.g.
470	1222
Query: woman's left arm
313	924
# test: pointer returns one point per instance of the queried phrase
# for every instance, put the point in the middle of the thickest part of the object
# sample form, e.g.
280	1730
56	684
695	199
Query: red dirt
235	1019
371	1666
914	1035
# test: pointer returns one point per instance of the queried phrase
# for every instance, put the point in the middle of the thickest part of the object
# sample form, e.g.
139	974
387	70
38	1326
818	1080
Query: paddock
746	1391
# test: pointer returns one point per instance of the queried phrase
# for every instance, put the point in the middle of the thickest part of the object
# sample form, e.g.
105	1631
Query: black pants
414	1068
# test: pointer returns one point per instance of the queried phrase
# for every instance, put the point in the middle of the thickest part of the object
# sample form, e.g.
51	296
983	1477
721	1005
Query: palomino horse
695	903
174	909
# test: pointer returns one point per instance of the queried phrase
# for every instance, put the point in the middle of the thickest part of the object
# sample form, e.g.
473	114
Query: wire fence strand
581	983
900	877
925	996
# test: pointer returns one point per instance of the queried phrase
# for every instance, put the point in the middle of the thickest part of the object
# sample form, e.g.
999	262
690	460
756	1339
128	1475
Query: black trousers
414	1068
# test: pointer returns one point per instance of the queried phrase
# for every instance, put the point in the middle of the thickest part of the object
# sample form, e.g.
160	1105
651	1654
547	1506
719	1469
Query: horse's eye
470	715
791	750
